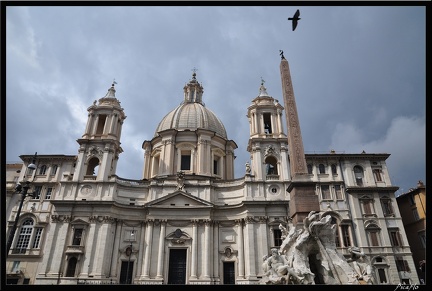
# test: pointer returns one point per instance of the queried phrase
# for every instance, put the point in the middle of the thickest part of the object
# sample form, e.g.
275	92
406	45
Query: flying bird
295	19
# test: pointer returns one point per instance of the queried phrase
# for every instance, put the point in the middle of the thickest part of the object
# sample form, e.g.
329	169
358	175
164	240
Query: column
140	251
241	272
249	252
115	251
94	125
56	256
88	125
112	118
278	120
89	248
99	260
161	249
207	249
194	249
147	255
215	249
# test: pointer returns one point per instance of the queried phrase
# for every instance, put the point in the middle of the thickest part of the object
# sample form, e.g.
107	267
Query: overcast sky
358	74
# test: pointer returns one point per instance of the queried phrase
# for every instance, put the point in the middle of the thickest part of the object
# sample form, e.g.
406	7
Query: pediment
179	199
79	221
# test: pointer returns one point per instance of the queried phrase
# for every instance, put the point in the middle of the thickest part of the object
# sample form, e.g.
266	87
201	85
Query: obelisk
303	198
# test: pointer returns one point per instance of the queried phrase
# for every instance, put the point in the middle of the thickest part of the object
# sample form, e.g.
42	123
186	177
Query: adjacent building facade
412	206
189	220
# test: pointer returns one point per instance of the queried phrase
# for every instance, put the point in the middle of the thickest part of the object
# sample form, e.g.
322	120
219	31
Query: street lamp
18	189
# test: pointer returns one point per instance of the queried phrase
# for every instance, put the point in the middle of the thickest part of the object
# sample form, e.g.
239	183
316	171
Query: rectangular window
15	266
325	192
277	234
338	192
402	265
185	161
36	192
373	235
387	207
415	214
411	198
377	175
54	170
77	236
48	193
215	167
395	238
23	240
367	207
346	235
382	276
37	238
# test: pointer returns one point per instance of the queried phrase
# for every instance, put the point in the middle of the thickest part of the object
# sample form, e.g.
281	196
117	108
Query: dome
192	114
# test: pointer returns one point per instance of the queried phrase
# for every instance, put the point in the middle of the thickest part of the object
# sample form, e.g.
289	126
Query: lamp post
18	189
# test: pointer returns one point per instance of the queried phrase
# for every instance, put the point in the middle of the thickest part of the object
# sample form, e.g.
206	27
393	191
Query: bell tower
267	142
100	144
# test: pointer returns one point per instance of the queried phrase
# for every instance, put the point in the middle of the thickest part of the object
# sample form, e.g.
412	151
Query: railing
272	177
95	282
130	182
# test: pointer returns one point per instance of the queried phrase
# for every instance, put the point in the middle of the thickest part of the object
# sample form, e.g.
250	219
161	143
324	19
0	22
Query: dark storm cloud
358	74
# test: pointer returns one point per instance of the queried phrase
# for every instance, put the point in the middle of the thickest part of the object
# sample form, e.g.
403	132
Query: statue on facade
248	168
180	180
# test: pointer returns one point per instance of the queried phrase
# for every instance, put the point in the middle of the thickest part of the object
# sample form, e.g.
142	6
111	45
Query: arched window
334	169
42	170
321	168
24	236
54	170
155	164
92	166
271	166
358	174
309	168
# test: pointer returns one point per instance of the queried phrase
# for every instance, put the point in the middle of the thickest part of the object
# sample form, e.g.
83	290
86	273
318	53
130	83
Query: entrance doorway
228	273
126	272
177	266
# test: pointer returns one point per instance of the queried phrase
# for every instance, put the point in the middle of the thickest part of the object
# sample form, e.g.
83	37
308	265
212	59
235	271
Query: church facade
188	220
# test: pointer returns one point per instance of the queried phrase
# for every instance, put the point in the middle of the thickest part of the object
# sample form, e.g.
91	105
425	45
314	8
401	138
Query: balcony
272	177
75	250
